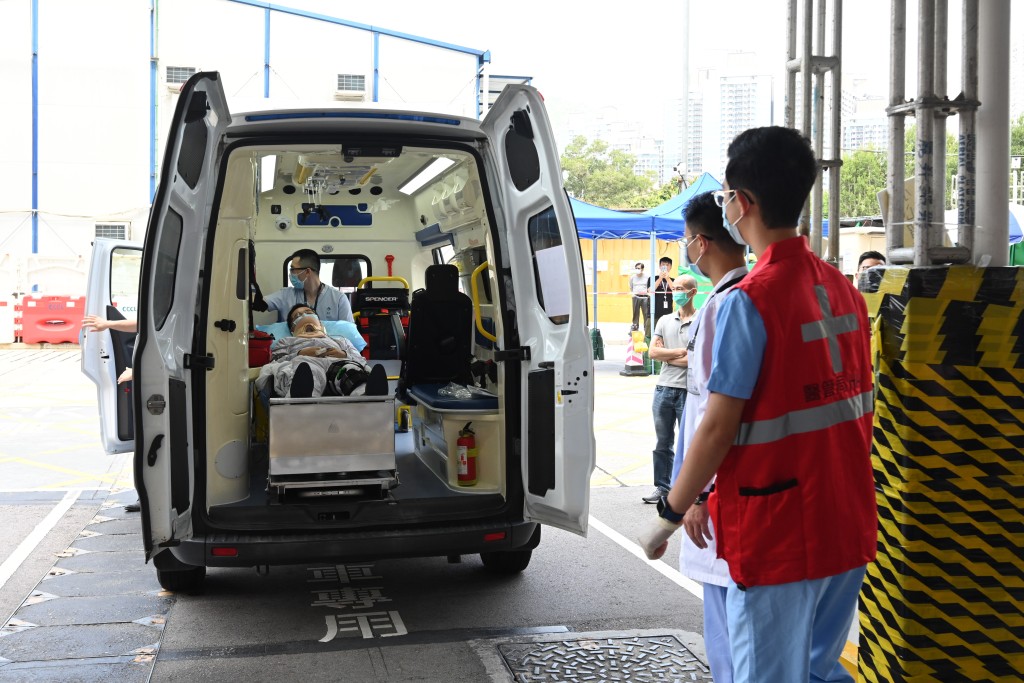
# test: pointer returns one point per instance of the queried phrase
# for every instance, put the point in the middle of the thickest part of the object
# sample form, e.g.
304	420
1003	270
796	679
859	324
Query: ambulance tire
506	561
182	581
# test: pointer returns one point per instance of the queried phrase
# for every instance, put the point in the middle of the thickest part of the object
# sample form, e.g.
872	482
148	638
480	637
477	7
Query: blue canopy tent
664	221
598	223
670	216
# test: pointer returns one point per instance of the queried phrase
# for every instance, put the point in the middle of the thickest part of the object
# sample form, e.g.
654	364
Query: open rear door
113	293
166	357
550	299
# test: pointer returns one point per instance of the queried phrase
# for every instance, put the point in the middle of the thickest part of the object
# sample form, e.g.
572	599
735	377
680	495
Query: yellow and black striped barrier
945	599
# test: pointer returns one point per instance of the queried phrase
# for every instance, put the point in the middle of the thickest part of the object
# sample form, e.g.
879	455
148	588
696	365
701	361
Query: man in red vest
787	429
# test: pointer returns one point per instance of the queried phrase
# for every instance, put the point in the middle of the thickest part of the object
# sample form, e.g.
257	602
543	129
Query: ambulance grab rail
383	278
476	303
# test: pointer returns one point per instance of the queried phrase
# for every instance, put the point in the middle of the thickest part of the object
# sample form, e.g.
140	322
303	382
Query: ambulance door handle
153	448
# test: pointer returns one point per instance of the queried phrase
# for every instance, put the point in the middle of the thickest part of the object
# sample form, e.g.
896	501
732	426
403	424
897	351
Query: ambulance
455	244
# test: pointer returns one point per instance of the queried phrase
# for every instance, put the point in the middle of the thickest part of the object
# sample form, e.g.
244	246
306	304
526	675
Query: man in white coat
709	251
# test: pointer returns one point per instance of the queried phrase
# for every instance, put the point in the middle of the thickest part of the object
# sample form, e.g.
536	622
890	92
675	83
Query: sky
586	56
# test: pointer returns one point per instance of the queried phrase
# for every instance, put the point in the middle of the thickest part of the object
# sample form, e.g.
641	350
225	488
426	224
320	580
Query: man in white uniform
326	301
709	250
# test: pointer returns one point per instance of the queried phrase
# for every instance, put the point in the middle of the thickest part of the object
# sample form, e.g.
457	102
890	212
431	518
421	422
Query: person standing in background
638	287
662	288
668	346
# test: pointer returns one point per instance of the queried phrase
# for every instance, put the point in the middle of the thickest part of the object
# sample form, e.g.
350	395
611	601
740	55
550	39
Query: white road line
26	547
666	570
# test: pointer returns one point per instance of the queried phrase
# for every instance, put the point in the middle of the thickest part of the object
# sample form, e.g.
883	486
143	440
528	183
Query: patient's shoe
302	382
377	384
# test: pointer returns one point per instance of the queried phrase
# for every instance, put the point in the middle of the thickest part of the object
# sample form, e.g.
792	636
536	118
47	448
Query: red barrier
51	319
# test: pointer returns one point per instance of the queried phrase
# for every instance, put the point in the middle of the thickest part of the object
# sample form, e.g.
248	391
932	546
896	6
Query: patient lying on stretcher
309	363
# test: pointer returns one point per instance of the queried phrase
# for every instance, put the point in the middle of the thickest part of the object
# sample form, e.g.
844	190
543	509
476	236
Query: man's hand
94	323
695	523
654	539
125	376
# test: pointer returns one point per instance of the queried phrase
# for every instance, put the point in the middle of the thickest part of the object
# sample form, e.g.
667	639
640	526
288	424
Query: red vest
795	496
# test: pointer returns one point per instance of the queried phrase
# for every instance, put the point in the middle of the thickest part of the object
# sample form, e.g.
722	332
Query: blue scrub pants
793	631
716	633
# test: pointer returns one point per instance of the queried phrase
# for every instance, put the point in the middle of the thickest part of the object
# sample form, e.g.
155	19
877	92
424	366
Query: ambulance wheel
182	581
506	561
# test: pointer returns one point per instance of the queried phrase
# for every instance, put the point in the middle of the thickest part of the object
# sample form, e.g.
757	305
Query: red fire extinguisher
467	456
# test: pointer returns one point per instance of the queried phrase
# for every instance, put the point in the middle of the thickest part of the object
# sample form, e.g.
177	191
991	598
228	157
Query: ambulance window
166	266
125	265
550	270
344	271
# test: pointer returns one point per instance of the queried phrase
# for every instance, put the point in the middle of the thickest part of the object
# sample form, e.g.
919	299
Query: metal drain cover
604	657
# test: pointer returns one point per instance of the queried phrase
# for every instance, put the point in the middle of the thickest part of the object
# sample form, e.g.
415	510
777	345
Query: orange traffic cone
635	366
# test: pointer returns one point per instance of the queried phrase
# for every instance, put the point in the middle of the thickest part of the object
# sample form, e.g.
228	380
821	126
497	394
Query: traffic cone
635	366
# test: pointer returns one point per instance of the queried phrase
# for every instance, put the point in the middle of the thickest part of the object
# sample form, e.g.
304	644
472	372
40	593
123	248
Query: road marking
667	571
26	547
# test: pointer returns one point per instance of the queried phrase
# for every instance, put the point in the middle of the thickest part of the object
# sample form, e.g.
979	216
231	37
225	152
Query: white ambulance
455	245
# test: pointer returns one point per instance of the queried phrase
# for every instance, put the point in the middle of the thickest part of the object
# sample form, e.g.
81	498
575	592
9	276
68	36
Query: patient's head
303	322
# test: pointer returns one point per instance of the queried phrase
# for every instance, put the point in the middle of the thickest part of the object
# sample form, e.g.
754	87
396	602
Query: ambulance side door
166	358
112	293
557	397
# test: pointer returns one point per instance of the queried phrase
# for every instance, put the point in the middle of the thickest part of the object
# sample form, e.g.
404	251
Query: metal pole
806	70
925	114
35	127
594	243
993	122
266	53
818	127
837	133
897	95
684	140
941	36
968	138
790	110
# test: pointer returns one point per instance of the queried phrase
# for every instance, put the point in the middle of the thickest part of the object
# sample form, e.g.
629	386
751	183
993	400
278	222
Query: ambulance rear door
112	294
557	380
168	358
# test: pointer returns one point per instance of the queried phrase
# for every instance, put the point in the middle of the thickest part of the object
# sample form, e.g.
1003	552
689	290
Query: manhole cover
639	658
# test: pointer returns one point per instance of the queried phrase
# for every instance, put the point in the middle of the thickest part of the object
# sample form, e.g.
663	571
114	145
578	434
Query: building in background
104	97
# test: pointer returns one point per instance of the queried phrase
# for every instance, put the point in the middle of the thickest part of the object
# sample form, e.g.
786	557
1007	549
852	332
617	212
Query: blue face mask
692	265
296	282
681	298
731	228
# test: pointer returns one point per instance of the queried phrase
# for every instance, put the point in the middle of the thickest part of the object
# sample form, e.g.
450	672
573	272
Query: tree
602	176
862	176
1017	137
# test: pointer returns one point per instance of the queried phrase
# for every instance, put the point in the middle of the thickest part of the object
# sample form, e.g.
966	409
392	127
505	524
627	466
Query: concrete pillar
993	134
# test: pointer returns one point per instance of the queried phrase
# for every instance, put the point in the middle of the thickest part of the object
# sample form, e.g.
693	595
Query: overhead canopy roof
669	217
664	221
595	222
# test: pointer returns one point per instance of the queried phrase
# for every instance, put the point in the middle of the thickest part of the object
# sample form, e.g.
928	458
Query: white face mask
734	232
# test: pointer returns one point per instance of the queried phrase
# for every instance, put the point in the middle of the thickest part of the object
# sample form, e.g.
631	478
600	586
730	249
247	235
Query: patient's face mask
307	325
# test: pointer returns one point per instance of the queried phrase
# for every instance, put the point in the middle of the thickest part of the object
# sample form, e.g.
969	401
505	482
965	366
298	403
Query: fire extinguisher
467	456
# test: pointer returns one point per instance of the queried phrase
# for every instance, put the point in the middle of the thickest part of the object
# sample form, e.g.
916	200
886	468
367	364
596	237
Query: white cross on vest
829	328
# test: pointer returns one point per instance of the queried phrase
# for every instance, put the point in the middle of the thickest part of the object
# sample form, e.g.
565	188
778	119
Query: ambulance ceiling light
425	175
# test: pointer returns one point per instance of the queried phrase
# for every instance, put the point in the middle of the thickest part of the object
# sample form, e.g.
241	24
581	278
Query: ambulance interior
380	216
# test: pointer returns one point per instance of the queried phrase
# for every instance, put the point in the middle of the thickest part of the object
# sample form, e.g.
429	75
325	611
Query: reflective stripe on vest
807	420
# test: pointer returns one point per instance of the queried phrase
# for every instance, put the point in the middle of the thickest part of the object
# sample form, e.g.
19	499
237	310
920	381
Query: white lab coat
701	564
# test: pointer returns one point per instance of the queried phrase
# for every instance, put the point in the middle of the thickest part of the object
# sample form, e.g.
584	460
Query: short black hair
704	217
288	318
877	255
776	165
665	259
308	259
